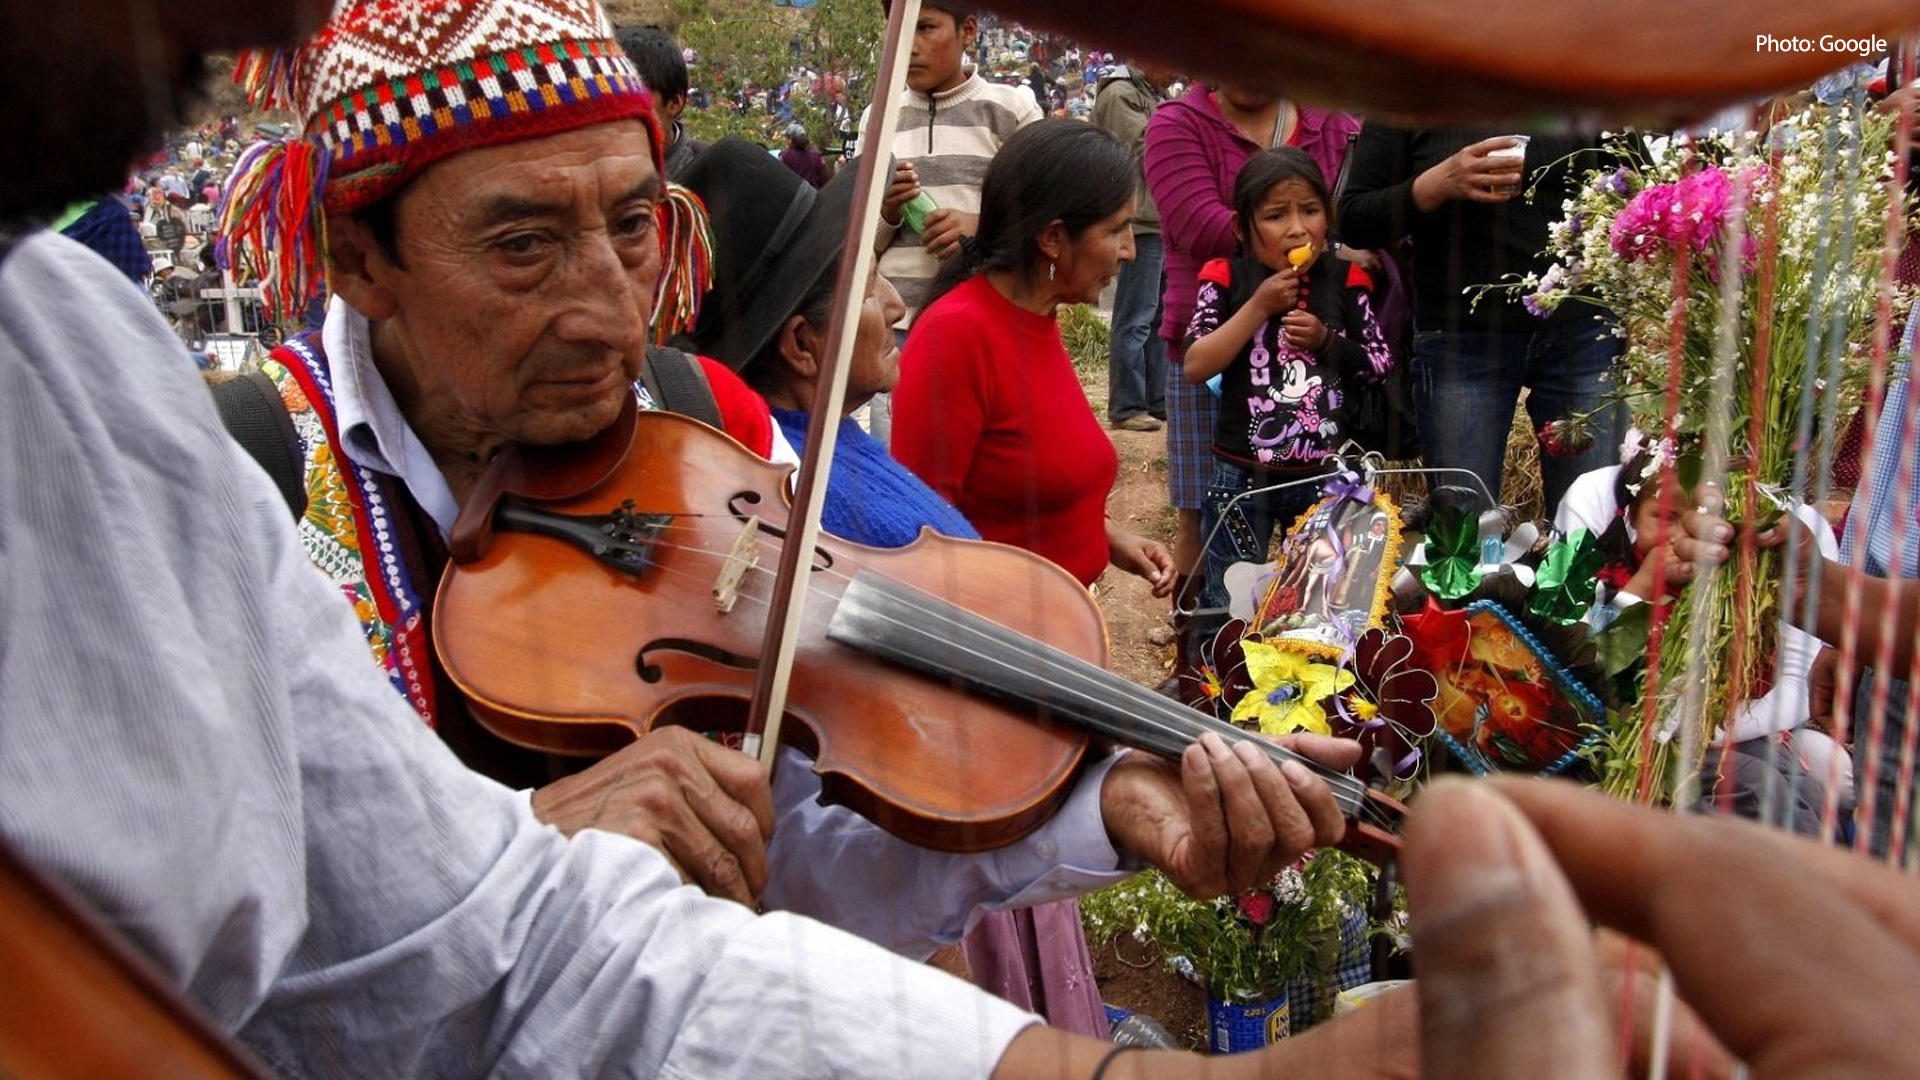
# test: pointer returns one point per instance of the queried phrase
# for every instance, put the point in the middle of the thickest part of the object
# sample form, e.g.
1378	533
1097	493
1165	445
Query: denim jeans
1244	533
1465	386
1886	783
1136	353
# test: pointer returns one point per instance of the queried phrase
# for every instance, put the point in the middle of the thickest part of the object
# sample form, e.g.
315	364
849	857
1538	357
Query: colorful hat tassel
272	228
686	247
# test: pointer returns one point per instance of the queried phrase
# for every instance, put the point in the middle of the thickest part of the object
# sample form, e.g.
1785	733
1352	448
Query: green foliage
753	46
1085	334
1239	961
1624	642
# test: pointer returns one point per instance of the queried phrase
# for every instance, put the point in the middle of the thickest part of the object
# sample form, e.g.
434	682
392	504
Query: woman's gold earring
1049	270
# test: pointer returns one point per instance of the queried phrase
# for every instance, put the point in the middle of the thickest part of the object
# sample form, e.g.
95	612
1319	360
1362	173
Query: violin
948	691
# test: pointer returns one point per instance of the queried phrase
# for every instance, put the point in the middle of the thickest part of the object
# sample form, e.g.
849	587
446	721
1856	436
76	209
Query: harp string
1835	348
1803	480
1651	720
1868	789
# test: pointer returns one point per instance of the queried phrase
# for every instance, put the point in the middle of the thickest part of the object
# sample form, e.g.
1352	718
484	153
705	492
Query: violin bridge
744	556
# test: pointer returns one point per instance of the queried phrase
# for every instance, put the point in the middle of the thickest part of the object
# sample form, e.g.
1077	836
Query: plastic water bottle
914	214
1143	1031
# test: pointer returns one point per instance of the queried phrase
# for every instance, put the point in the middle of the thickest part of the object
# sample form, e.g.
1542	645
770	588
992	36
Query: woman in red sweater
990	414
989	411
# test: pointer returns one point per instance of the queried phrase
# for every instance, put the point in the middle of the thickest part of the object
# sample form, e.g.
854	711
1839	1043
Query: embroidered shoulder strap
398	604
677	383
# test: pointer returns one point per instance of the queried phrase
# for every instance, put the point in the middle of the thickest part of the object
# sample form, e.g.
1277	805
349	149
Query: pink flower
1698	209
1257	906
1565	437
1634	235
1690	211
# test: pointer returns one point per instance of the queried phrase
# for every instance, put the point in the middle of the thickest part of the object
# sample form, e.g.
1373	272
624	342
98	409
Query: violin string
1168	735
1167	718
1173	716
1175	722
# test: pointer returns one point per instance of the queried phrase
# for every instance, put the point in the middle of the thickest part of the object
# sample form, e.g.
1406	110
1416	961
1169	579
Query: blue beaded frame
1478	763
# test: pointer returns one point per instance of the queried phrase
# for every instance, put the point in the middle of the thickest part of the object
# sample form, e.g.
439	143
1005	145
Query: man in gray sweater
1136	356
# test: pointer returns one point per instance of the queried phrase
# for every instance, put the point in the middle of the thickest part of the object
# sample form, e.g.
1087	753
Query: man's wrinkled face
527	281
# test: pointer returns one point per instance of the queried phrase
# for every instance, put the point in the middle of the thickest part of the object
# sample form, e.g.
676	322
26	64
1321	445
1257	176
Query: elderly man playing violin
493	266
192	745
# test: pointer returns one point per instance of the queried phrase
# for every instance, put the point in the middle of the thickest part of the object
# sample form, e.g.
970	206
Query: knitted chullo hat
388	88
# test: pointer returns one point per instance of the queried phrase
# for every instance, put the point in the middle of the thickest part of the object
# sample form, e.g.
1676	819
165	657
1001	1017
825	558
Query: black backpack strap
678	384
1340	189
253	413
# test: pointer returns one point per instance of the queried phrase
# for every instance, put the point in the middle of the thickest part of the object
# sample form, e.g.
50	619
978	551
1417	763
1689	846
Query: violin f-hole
736	505
650	672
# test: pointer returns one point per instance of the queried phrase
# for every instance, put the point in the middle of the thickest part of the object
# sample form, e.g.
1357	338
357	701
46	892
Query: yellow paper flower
1287	690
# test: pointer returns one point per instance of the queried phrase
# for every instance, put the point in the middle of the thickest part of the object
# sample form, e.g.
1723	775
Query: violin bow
762	738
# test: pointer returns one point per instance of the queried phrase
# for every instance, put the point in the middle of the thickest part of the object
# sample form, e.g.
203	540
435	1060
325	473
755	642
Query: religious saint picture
1505	703
1331	584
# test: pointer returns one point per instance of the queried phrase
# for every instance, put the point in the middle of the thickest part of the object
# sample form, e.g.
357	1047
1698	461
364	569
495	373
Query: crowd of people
308	829
160	230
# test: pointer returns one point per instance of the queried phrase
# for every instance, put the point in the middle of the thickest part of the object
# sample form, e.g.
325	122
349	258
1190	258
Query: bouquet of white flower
1744	273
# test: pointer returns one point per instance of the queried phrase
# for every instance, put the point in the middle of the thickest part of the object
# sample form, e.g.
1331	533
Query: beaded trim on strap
395	618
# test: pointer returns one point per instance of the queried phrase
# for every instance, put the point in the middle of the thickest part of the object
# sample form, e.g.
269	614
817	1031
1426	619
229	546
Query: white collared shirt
373	430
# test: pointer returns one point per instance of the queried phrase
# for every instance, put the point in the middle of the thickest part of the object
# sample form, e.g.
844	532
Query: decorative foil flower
1287	690
1563	586
1388	711
1223	677
1440	636
1450	554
